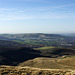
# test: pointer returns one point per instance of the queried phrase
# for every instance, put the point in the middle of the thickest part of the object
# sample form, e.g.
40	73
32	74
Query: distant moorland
40	39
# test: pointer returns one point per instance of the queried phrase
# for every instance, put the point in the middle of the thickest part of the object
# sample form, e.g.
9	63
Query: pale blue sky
37	16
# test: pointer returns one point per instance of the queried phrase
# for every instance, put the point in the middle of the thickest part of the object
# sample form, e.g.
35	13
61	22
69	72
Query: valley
37	54
40	39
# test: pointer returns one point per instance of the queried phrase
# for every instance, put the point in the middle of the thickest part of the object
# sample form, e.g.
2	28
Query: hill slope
6	43
40	39
50	51
51	63
68	61
16	55
13	56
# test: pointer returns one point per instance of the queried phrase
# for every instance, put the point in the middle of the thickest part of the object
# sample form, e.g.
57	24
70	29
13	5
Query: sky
37	16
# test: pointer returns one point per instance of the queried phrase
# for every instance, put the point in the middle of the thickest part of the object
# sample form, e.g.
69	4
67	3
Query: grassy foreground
8	70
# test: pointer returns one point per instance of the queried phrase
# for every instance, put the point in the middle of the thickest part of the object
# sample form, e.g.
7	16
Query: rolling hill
12	53
40	39
16	55
68	61
51	51
6	43
49	63
53	58
50	58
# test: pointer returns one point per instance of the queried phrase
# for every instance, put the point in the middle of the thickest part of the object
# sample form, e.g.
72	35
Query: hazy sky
37	16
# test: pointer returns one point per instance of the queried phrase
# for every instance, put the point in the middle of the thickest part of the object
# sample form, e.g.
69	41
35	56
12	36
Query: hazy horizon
37	16
41	33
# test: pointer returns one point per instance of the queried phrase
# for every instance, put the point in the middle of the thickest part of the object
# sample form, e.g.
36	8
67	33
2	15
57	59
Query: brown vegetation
70	61
51	63
7	70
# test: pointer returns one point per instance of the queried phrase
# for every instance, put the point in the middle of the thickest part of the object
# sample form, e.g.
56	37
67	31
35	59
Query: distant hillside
55	51
6	43
30	35
40	39
70	35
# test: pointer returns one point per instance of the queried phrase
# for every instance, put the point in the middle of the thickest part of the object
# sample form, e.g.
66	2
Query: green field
46	48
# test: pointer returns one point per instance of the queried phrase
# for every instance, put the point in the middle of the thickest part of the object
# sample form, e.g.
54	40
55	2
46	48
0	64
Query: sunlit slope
70	61
51	51
46	63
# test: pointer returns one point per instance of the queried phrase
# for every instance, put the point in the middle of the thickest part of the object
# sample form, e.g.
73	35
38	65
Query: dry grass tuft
11	70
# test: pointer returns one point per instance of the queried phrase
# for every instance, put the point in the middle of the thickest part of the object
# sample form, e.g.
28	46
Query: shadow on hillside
13	57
